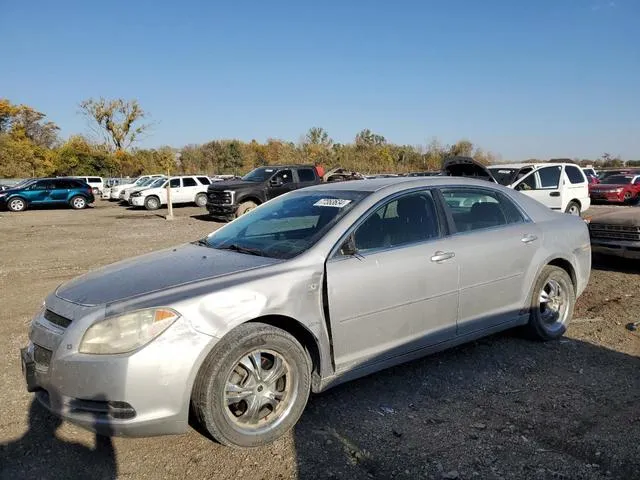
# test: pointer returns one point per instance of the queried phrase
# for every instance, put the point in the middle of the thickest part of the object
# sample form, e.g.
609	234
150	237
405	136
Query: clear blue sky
535	78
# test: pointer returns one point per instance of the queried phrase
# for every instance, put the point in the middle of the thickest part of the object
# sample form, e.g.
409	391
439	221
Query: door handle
442	256
529	238
554	194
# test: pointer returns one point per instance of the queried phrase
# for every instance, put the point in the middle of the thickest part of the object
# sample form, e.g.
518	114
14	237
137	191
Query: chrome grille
56	319
219	197
614	232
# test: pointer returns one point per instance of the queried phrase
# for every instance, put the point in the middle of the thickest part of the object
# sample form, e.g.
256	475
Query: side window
174	183
204	180
574	174
477	209
306	175
189	182
42	185
408	219
95	180
284	175
67	184
549	177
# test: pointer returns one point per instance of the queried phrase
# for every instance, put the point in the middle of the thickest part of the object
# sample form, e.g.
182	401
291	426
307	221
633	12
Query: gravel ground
499	408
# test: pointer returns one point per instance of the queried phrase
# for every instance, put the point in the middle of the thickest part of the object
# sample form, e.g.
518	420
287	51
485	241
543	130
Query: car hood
156	271
466	167
629	217
232	185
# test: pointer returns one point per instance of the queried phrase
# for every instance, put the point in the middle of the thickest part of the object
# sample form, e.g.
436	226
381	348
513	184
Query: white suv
118	189
559	186
186	189
96	184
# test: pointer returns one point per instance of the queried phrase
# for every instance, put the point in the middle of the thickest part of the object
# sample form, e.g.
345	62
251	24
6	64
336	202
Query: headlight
135	194
127	332
618	190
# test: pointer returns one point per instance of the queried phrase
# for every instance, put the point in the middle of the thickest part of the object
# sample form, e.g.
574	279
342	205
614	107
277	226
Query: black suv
231	198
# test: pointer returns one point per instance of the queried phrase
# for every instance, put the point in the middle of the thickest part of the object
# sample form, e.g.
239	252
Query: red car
616	188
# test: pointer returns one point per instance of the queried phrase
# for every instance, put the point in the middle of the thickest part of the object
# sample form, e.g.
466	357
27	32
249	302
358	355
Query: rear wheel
201	200
552	302
152	203
573	208
245	207
17	204
253	386
78	202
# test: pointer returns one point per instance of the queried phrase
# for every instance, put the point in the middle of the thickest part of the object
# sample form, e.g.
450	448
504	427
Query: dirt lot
499	408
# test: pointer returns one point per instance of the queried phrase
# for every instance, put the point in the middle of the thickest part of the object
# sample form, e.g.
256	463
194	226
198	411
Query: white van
559	186
96	183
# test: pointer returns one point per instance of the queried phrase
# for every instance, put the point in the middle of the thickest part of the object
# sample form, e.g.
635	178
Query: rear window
95	180
189	182
204	180
617	179
504	176
574	174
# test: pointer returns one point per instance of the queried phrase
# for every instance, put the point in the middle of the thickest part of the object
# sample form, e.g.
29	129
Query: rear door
306	177
576	186
544	185
60	189
399	292
494	244
190	188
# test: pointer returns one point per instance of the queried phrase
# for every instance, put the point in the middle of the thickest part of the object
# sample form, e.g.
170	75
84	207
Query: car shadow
610	263
41	454
500	407
207	218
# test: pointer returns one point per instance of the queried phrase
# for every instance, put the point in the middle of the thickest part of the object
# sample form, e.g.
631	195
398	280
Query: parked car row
72	192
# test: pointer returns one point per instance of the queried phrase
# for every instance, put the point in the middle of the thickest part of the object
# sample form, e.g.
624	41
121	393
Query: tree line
30	146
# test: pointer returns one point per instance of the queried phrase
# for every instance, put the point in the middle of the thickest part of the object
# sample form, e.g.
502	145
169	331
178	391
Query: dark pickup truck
231	198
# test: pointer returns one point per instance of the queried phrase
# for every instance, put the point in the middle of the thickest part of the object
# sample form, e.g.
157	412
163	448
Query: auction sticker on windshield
332	202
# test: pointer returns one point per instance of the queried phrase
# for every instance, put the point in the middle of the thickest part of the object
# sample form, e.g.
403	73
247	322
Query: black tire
78	202
220	418
152	203
541	325
573	208
245	207
628	197
201	200
17	204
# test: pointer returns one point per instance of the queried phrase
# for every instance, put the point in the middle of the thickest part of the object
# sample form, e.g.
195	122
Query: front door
281	182
176	190
39	191
494	247
399	292
544	185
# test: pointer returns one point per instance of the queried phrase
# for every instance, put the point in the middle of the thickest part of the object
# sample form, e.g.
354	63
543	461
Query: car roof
375	184
531	164
286	166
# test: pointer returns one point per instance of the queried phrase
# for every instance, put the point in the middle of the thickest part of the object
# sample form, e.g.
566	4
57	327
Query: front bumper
221	210
136	201
619	248
143	393
607	196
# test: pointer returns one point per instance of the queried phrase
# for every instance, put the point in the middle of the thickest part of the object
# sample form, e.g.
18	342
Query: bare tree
118	121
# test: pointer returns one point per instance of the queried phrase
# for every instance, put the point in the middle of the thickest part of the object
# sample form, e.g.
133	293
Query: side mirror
348	248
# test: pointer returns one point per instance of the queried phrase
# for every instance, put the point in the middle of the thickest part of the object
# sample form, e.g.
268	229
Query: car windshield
259	174
22	183
617	180
157	183
147	181
137	182
504	176
285	226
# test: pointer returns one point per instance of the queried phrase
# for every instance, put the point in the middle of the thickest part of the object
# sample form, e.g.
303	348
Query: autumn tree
366	138
118	121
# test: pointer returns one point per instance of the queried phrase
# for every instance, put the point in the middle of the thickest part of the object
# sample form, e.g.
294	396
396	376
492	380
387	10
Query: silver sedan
311	289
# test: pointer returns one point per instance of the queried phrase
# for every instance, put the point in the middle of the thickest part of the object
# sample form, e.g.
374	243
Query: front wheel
78	203
245	207
573	208
201	200
253	386
628	196
552	301
152	203
17	204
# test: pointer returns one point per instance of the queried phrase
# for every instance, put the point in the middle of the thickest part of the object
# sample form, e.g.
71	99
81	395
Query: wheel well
567	267
152	196
576	201
299	331
250	199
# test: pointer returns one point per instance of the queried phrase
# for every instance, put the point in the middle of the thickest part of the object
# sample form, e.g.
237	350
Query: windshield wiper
237	248
202	242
